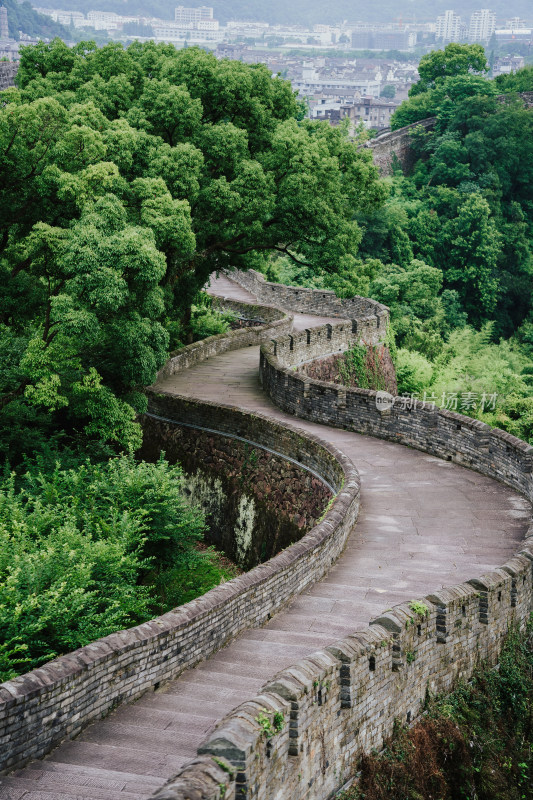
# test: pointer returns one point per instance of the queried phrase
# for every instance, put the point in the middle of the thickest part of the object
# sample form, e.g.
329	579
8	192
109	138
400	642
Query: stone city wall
343	700
8	71
392	147
54	702
321	302
275	321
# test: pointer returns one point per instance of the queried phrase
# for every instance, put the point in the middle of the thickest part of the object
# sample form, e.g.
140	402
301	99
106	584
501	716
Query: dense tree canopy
454	60
128	177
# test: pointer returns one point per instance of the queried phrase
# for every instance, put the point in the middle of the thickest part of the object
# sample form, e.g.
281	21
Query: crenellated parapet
369	317
343	700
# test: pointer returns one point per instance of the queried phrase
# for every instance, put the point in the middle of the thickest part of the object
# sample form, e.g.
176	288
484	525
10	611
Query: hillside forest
129	176
450	248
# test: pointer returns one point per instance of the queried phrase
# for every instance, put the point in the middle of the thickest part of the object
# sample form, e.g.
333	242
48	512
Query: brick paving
424	523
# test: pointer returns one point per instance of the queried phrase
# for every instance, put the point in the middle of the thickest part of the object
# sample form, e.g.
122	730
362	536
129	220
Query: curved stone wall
343	700
54	702
275	321
390	146
370	316
256	502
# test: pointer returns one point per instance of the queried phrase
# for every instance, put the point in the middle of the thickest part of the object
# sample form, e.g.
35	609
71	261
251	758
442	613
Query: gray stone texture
425	522
8	71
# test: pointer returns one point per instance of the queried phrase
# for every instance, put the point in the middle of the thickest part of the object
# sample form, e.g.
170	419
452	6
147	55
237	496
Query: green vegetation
473	744
79	546
450	250
270	725
363	367
22	17
419	608
128	176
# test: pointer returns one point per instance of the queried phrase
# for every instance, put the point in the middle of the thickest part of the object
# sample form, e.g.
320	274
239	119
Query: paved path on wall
424	523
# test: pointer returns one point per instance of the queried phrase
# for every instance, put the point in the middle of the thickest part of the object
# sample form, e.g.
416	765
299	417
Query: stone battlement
343	700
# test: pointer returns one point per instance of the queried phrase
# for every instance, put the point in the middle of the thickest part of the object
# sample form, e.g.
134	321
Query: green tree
388	91
471	249
455	59
129	176
519	81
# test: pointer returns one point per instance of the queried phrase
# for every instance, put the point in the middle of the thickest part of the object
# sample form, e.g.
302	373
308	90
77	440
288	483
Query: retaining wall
343	700
40	709
256	503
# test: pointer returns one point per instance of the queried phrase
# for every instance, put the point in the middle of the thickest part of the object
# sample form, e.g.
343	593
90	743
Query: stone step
134	737
183	704
123	759
203	678
58	786
86	771
147	717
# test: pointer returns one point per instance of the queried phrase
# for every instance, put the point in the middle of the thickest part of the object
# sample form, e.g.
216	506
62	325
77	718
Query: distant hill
22	17
308	12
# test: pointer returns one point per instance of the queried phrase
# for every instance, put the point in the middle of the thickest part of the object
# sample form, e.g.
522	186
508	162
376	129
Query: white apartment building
515	22
200	31
482	25
186	14
449	27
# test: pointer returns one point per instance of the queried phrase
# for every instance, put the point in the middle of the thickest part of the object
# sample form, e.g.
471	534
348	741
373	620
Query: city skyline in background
360	71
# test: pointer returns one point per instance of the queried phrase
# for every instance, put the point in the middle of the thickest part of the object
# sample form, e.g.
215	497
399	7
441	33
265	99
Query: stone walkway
424	523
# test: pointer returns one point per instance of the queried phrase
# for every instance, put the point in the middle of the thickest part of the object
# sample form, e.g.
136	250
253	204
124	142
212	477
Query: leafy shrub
473	744
76	549
413	371
205	320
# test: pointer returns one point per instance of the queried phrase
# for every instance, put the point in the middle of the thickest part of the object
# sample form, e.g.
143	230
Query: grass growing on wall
475	744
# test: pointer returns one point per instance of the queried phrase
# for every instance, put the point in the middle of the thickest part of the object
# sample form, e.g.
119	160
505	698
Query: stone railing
54	702
343	700
276	322
370	315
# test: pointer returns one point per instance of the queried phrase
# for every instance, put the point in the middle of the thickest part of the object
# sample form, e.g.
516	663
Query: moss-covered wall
256	503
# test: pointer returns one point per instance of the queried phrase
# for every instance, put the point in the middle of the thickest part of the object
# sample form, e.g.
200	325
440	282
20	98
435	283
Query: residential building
449	27
185	14
482	25
179	32
383	39
515	22
371	112
507	64
4	27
